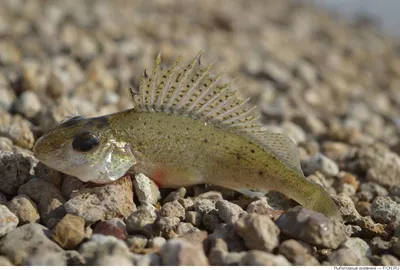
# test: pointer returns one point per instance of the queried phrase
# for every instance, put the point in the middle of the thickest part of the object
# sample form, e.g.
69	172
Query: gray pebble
260	258
180	252
325	165
384	210
194	218
106	250
173	209
312	227
229	212
70	185
358	245
20	245
348	257
17	129
142	221
175	195
146	190
258	231
28	104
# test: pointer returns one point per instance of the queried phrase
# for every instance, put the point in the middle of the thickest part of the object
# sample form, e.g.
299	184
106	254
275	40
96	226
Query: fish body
184	129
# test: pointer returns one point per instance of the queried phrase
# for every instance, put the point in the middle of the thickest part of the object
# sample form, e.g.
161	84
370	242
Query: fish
185	128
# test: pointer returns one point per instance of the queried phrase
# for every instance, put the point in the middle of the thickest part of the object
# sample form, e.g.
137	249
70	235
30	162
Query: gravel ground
332	87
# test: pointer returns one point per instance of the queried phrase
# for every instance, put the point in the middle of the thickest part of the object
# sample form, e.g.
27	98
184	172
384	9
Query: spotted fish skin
186	129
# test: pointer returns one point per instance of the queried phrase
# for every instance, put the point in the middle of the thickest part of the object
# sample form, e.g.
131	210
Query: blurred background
318	69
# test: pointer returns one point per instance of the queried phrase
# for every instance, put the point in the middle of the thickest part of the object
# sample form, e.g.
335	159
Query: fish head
85	148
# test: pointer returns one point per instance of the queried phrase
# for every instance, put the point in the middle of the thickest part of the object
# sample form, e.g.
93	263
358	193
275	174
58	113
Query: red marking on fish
158	176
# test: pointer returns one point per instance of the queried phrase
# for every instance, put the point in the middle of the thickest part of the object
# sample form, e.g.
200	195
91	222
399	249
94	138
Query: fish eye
85	141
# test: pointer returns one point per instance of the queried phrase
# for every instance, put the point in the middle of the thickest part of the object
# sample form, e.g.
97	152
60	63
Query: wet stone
312	227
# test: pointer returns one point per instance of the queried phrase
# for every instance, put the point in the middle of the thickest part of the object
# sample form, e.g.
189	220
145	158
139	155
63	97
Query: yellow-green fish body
184	129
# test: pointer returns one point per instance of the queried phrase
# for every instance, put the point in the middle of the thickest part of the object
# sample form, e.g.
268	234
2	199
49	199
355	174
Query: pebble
347	208
187	203
196	238
17	129
194	218
261	258
136	242
384	210
24	208
364	208
15	168
3	199
114	227
146	190
157	242
74	258
167	226
262	207
142	221
173	209
22	243
150	259
369	228
6	145
358	245
49	175
175	195
69	232
8	221
50	202
184	228
210	221
4	261
381	165
312	227
389	260
323	164
395	246
7	98
178	252
103	202
347	257
378	245
103	250
229	212
28	104
298	253
227	232
258	232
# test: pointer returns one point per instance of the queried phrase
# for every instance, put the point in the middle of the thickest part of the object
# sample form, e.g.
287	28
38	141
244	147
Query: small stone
369	228
374	188
70	185
74	258
262	207
150	259
25	209
258	231
4	261
292	249
187	203
210	221
349	179
173	209
389	260
194	218
42	257
146	190
203	206
50	202
17	129
229	212
378	245
312	227
69	232
364	208
381	164
212	195
6	145
28	104
196	238
22	243
168	226
114	227
15	168
136	242
384	210
359	246
8	221
7	98
103	202
179	252
260	258
348	257
157	242
227	233
346	208
175	195
323	164
185	228
105	250
142	221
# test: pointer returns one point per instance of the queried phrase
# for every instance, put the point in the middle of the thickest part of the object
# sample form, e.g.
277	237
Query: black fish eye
84	141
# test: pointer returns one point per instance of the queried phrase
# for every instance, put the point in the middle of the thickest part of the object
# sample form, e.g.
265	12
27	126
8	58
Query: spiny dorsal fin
193	91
